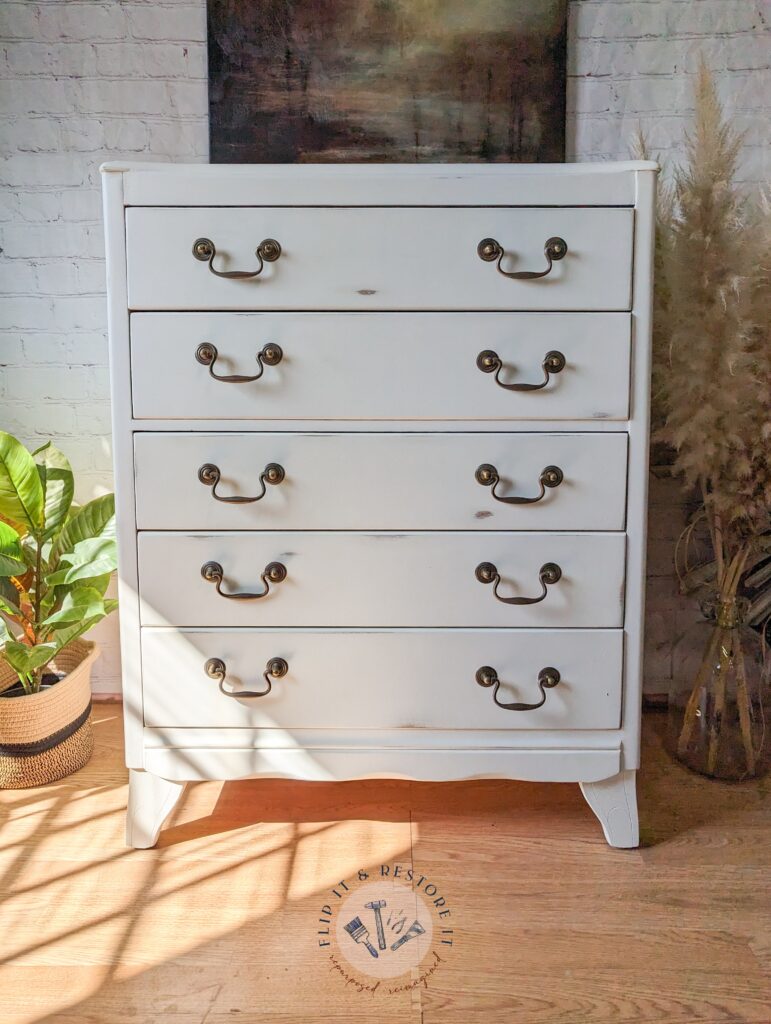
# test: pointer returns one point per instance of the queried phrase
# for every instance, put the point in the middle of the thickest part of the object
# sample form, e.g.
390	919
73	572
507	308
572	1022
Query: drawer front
376	258
381	579
387	366
380	481
383	680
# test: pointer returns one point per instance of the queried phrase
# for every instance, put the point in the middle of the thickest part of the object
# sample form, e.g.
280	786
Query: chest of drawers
380	441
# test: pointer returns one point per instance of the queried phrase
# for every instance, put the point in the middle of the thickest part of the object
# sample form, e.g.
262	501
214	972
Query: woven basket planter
47	735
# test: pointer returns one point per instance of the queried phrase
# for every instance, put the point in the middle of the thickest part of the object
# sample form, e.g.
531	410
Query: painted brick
75	58
604	19
45	240
43	348
179	21
27	312
93	418
115	96
84	135
9	204
81	204
23	170
174	139
82	21
142	60
91	276
40	206
52	420
35	383
57	277
126	135
188	99
18	21
714	17
36	96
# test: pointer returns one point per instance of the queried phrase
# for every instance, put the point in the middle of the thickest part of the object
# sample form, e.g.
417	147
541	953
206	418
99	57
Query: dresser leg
614	801
150	801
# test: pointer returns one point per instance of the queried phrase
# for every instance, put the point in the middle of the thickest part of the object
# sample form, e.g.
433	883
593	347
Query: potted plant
56	559
712	407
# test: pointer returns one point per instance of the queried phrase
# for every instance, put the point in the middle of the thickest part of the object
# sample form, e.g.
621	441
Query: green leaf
5	633
78	604
65	636
25	660
9	597
96	519
21	493
11	555
98	583
29	550
89	558
55	595
58	483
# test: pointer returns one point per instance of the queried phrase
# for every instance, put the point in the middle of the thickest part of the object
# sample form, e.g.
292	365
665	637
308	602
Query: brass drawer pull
487	476
210	475
274	572
490	362
268	251
206	354
554	249
215	668
549	573
547	680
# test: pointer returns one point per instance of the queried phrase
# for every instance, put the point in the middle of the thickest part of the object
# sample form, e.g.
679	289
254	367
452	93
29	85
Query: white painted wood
155	425
614	801
588	184
151	800
430	739
325	764
369	259
381	579
382	366
120	390
386	680
380	481
371	375
637	488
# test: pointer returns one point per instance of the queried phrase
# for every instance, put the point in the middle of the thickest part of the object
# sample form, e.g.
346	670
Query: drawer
380	366
380	579
384	680
376	258
380	481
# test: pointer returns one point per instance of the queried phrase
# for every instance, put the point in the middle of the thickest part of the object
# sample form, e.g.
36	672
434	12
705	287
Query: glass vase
717	704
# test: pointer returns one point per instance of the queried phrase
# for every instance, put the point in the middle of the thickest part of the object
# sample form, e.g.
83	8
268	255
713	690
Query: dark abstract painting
294	81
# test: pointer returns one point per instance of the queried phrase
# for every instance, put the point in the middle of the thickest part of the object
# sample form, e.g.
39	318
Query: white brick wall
83	82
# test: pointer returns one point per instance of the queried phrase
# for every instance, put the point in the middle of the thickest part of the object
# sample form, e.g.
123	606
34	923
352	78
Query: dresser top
586	184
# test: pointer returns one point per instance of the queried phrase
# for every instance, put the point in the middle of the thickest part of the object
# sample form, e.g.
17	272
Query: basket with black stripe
47	735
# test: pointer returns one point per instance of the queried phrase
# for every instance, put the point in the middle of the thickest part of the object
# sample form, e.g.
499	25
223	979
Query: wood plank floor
220	922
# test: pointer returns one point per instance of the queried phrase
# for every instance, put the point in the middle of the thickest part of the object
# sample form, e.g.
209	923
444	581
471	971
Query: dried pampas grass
712	406
712	343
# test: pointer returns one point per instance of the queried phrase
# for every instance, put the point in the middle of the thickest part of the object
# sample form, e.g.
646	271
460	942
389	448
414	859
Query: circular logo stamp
389	929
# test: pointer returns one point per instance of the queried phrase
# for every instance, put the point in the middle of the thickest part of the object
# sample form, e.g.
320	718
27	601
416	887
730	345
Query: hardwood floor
220	922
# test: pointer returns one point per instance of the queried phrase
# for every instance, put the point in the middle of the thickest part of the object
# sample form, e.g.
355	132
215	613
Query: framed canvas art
386	80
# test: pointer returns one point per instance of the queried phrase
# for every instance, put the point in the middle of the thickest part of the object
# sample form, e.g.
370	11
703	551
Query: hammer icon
376	905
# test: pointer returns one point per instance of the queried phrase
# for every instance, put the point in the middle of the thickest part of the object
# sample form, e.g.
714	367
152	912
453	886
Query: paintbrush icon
358	932
415	929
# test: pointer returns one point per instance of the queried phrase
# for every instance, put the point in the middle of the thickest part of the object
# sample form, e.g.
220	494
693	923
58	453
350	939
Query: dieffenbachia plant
56	558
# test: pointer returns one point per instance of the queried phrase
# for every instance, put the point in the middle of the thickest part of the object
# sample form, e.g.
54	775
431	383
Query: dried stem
743	704
716	718
721	637
692	707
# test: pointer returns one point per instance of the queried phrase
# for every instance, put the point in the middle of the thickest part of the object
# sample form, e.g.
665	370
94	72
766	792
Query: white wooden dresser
381	442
